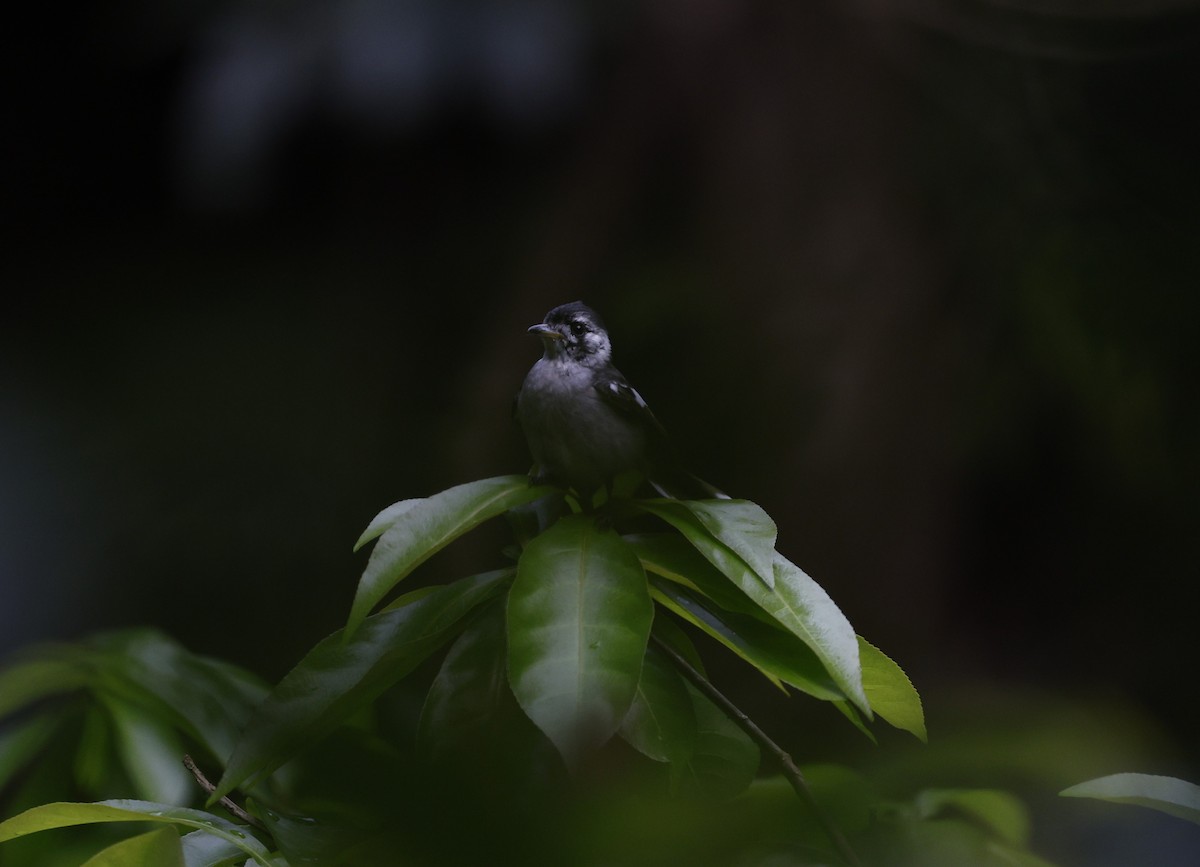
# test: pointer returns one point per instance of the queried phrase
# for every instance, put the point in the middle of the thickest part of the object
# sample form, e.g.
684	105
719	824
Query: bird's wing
623	397
666	475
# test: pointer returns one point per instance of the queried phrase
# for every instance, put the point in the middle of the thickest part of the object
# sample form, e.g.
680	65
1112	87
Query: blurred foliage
916	276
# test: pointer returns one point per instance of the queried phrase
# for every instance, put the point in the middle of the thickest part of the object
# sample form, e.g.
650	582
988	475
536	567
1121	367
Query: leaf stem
786	763
190	764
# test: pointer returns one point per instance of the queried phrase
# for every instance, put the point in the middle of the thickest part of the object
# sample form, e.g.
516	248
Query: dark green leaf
579	616
890	692
21	743
48	670
95	755
419	530
63	815
208	699
661	722
796	601
1166	794
779	655
672	635
468	694
339	676
724	759
159	848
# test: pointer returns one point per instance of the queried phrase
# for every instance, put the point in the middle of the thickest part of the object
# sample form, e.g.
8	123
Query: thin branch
229	805
786	763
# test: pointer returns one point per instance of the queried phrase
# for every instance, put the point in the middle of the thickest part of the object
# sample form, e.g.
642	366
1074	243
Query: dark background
919	277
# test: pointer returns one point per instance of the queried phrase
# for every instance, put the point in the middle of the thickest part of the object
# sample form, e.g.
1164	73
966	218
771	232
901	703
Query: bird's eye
577	328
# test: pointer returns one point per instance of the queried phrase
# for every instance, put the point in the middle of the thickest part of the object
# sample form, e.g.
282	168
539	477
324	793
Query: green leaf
21	743
385	519
151	752
743	527
796	601
208	699
672	635
890	692
579	616
339	676
999	812
724	760
661	722
671	556
417	531
63	815
159	848
1168	794
470	690
201	849
849	712
778	655
50	672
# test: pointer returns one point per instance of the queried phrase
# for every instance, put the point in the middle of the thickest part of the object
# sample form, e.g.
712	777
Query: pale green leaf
385	519
64	815
202	849
890	692
1167	794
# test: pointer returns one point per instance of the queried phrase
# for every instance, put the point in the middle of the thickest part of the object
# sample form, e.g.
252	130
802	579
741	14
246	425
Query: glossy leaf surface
64	814
579	616
796	601
778	655
201	849
743	527
414	530
671	556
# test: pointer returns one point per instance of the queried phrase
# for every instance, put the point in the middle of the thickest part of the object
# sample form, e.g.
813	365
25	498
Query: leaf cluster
490	692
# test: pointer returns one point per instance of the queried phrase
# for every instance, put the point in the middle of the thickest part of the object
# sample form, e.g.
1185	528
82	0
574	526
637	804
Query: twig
229	805
786	763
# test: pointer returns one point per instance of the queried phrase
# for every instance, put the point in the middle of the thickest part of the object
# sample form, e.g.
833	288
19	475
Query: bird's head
574	332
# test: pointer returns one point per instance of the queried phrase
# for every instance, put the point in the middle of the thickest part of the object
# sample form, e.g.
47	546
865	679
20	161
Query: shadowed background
919	277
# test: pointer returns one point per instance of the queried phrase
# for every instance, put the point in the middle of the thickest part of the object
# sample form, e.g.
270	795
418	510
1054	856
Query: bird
587	428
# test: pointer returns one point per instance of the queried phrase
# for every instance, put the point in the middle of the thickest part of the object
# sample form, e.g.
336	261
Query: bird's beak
545	332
